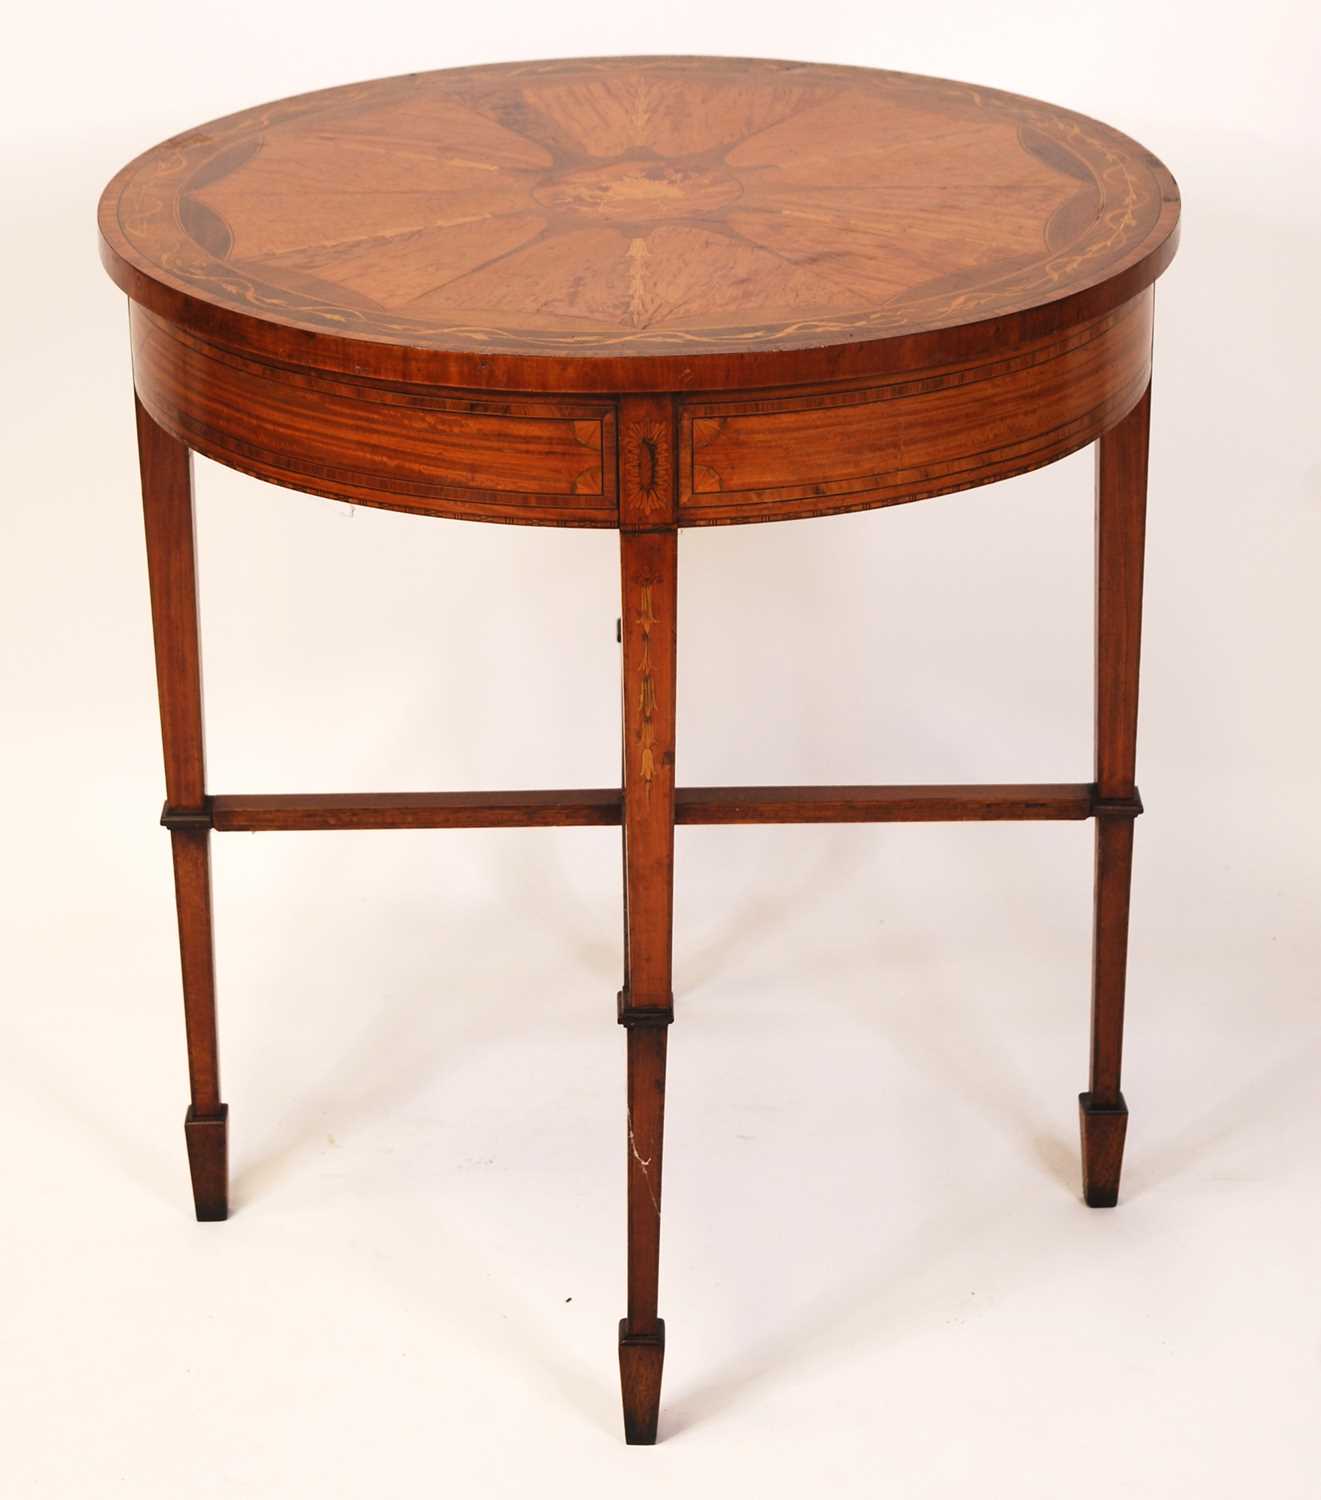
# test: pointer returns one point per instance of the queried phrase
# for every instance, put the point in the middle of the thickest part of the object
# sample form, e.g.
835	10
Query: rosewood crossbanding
644	294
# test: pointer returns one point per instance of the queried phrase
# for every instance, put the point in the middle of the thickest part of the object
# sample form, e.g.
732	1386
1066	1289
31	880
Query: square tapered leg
1121	512
167	502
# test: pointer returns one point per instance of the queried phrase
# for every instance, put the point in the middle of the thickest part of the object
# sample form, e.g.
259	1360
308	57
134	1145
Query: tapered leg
642	1333
646	1002
1121	508
167	498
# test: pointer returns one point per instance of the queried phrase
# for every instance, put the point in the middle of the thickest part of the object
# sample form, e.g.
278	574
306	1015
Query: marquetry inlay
638	205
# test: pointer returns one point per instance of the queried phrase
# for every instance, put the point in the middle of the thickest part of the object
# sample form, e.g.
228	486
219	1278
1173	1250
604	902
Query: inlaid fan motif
639	205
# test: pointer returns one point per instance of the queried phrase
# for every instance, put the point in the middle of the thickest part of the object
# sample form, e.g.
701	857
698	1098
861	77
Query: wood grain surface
603	807
638	223
433	451
167	505
647	294
909	436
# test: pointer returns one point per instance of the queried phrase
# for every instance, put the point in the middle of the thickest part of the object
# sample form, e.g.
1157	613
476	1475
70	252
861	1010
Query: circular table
644	294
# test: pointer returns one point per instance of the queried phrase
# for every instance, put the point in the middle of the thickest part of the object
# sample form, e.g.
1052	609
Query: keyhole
647	464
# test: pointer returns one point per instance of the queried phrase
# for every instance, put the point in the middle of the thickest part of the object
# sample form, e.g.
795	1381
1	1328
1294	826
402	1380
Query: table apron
775	455
555	461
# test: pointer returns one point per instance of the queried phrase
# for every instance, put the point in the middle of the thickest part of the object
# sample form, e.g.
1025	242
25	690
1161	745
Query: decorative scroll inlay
647	619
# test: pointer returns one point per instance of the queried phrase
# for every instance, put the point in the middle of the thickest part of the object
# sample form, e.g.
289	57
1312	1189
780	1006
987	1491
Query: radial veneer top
644	221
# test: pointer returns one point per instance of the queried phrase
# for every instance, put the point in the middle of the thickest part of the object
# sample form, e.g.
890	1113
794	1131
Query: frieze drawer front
910	436
441	452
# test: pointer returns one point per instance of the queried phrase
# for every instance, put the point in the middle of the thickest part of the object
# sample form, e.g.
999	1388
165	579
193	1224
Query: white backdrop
876	1272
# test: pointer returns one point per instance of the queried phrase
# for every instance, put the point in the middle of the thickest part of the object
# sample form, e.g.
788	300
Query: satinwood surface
638	223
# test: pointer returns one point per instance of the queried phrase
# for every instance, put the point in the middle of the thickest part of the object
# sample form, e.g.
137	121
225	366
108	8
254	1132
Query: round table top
621	224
